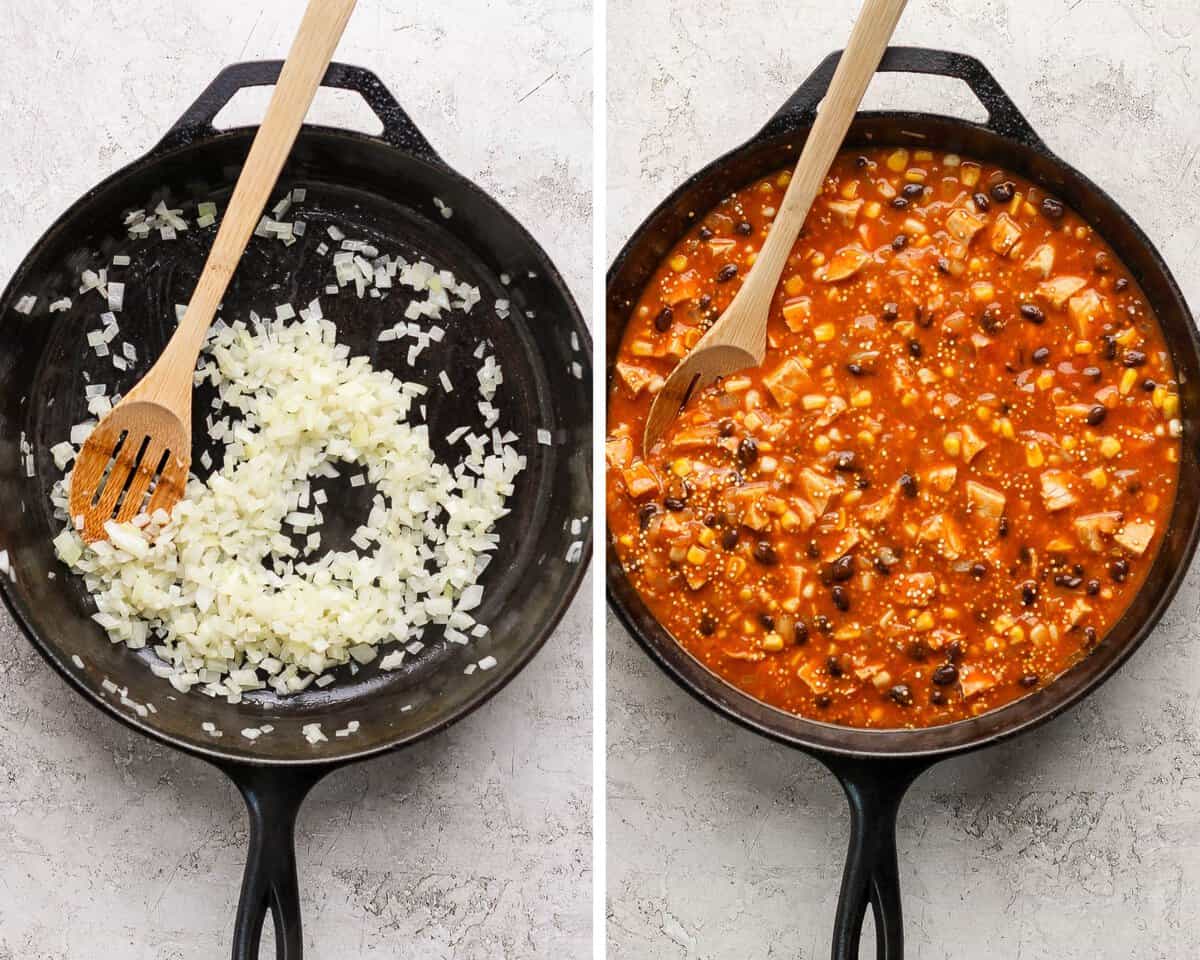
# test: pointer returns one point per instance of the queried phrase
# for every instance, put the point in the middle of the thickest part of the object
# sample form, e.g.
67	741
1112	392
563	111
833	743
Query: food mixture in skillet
950	475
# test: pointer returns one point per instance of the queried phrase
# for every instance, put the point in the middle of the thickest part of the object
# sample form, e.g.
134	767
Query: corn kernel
1110	447
1151	501
813	401
897	160
681	467
909	399
678	263
861	399
952	444
1158	396
772	642
873	210
983	291
1039	634
866	438
1170	406
1083	346
793	285
923	156
751	257
1128	379
1033	454
1006	428
948	371
1173	455
852	497
817	259
1097	478
1017	634
968	173
1044	380
822	444
783	179
735	567
951	160
983	412
915	175
696	555
849	189
1068	442
824	332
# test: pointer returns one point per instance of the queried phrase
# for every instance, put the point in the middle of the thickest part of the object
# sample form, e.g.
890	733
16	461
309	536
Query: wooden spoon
147	437
739	337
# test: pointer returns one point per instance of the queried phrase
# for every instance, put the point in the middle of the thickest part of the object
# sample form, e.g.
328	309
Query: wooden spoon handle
307	60
868	40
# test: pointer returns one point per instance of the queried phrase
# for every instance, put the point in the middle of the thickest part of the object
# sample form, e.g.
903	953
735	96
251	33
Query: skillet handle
398	128
273	797
1003	116
874	789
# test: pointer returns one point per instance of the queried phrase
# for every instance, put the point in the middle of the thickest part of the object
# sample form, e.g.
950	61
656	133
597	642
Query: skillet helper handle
874	789
1003	116
398	128
273	797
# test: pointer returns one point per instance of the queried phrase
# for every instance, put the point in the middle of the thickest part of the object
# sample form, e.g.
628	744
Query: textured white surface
1081	840
475	844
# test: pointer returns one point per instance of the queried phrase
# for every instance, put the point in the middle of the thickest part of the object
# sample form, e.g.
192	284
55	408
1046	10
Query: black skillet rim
511	666
706	686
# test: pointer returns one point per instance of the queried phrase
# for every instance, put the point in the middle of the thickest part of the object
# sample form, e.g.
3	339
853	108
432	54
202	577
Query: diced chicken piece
1091	528
842	546
845	211
618	451
1079	609
834	406
741	497
802	515
1136	537
1056	490
1041	261
1073	411
1005	234
942	478
640	480
867	672
943	533
796	312
788	382
1085	309
844	264
984	500
696	577
818	489
879	510
695	438
975	681
963	225
1059	290
813	673
636	378
972	443
914	589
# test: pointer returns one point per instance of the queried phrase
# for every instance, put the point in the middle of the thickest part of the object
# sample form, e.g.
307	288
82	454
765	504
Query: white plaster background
1079	841
475	844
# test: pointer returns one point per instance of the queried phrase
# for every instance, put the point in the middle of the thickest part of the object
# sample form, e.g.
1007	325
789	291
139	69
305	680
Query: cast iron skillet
375	188
876	767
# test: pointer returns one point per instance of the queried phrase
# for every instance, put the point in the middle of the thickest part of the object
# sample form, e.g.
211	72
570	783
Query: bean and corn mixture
950	475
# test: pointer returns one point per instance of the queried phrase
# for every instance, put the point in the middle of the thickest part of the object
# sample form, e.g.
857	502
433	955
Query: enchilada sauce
948	478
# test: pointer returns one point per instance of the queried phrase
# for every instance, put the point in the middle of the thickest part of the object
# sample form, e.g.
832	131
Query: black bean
912	190
662	322
1033	313
899	203
800	633
1101	263
1002	528
834	666
943	264
712	520
979	570
855	369
1003	191
908	483
705	233
764	553
899	241
1119	569
937	697
918	650
674	504
725	428
1096	415
981	202
845	461
1092	373
1029	680
646	513
747	451
705	301
744	228
841	599
1093	587
1110	347
1041	355
767	621
1029	593
1121	284
727	273
990	320
945	675
861	161
861	482
914	349
955	652
1067	581
729	539
1052	209
901	694
891	311
1133	358
707	625
813	551
823	700
823	624
843	568
1090	634
881	566
1149	385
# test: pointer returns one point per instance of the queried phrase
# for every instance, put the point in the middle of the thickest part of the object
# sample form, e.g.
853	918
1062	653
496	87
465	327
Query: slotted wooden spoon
146	439
738	339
